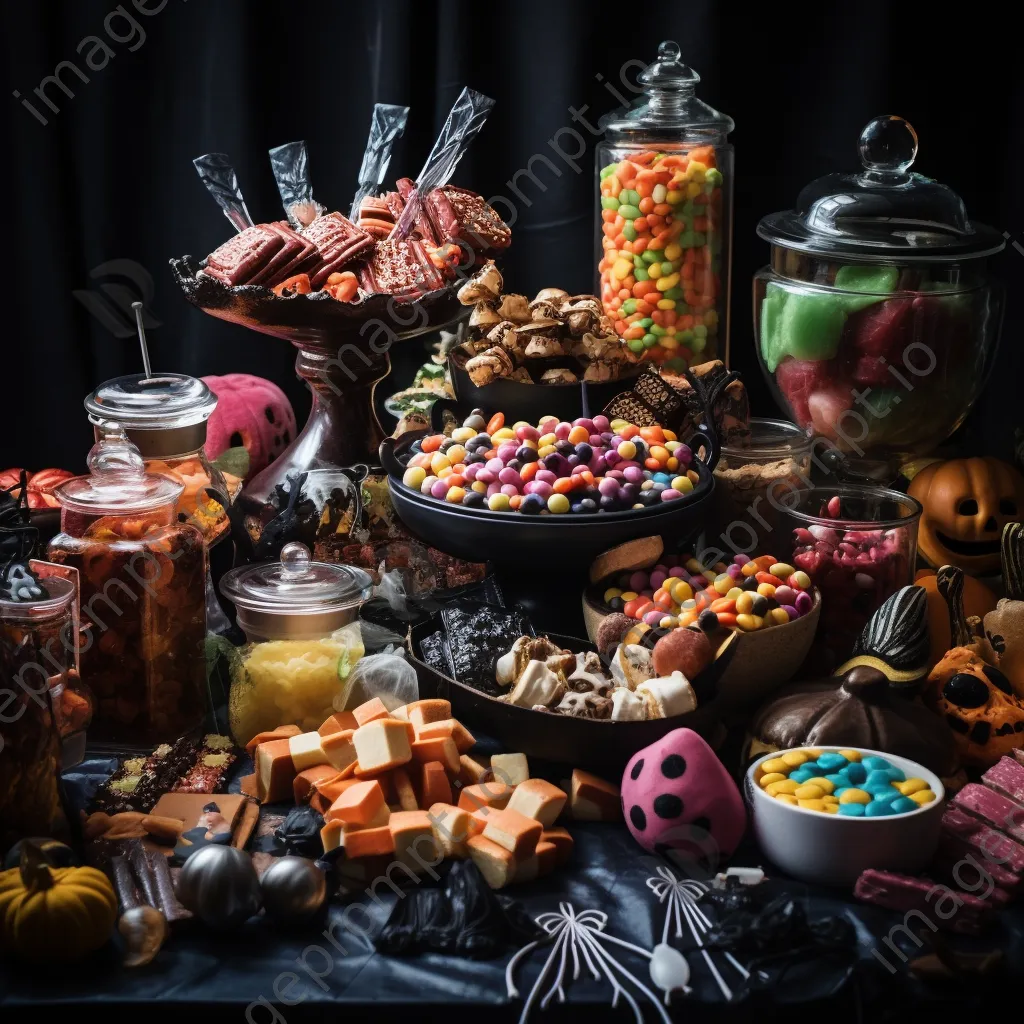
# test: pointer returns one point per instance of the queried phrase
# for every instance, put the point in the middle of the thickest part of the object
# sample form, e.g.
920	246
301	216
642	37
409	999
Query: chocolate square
294	255
241	258
338	242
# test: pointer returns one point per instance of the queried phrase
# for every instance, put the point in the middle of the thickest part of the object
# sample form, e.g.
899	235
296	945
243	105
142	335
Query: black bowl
508	539
604	747
530	402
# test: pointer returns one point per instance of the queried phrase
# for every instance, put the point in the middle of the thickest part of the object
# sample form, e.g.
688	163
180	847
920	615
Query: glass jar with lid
300	620
142	576
665	179
755	476
164	415
40	705
876	321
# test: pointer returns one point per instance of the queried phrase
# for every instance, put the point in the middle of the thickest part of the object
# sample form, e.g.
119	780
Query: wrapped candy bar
217	174
290	164
464	121
386	127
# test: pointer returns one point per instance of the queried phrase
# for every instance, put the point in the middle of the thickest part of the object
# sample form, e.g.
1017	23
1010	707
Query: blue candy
832	762
840	779
852	810
800	775
661	478
896	775
878	809
840	790
813	768
883	796
878	777
902	805
856	772
875	763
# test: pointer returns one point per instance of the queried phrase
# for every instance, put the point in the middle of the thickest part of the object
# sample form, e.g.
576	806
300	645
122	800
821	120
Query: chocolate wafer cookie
338	242
295	255
241	258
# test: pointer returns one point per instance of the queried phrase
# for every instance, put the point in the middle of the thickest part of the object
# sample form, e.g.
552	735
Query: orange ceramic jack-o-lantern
1004	626
967	502
969	691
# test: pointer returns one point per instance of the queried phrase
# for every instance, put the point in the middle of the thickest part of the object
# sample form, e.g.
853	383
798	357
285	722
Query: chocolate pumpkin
868	702
969	691
1004	626
979	600
967	503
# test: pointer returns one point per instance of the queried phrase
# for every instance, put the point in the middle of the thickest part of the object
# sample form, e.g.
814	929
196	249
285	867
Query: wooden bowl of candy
773	634
585	489
567	737
825	815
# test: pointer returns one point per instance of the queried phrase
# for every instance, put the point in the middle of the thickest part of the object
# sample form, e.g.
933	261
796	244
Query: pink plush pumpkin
253	413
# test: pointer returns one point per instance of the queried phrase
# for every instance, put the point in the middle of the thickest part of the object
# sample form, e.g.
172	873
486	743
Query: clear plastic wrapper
386	127
217	174
290	164
464	122
387	676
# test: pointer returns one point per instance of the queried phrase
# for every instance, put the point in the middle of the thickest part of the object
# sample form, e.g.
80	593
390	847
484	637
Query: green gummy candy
876	282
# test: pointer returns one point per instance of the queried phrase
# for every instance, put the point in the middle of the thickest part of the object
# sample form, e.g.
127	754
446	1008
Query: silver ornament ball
294	889
219	885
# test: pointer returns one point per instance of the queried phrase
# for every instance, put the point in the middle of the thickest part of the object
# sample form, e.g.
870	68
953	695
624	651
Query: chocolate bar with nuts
463	216
400	268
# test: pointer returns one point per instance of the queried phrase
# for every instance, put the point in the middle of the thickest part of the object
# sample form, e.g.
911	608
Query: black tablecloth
270	975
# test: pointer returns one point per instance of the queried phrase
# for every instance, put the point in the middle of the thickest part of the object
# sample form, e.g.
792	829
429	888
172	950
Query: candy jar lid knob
295	561
888	148
113	457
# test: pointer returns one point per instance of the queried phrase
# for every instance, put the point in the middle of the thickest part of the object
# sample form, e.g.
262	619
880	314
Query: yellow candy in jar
825	785
749	623
786	786
800	579
794	758
922	797
744	603
808	791
775	764
414	477
766	589
778	616
781	570
439	462
911	786
766	780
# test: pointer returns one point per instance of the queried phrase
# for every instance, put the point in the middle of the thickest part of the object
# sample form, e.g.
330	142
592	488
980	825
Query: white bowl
833	849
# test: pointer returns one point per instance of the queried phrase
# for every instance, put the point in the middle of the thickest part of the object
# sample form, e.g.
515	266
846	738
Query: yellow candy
812	804
669	281
446	472
439	462
456	454
498	503
766	780
794	758
723	584
461	434
809	791
829	799
455	495
749	623
479	486
504	434
414	477
734	593
673	251
681	591
850	755
628	595
684	485
666	304
781	570
911	786
855	796
813	753
622	268
824	785
766	589
778	615
831	808
775	764
786	786
744	602
545	451
800	579
922	797
786	798
529	443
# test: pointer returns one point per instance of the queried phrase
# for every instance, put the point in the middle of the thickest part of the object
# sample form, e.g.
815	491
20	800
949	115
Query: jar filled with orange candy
664	183
164	415
142	576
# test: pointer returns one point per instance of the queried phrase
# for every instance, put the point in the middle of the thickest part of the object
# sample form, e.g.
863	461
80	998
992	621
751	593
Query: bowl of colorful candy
773	607
826	814
558	492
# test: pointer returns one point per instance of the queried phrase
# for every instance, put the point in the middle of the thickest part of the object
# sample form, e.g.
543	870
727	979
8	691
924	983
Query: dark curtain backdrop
110	176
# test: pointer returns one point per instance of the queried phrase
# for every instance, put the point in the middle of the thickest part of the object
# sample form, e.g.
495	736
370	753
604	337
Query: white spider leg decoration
582	934
681	898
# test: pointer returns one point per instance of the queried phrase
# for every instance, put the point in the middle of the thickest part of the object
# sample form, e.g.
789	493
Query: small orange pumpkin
967	503
979	600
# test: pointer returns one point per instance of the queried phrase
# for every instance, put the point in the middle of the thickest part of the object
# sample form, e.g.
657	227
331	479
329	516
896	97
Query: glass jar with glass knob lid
664	182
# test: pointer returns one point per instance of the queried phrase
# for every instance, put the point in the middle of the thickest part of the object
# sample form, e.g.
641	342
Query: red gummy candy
884	329
797	379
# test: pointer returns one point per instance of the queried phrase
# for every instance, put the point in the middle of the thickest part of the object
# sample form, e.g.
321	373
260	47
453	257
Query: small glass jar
40	706
776	452
876	321
664	219
142	577
165	416
300	619
857	554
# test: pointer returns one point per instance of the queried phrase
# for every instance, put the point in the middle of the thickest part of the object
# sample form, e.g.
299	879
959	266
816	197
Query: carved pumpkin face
967	502
969	691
